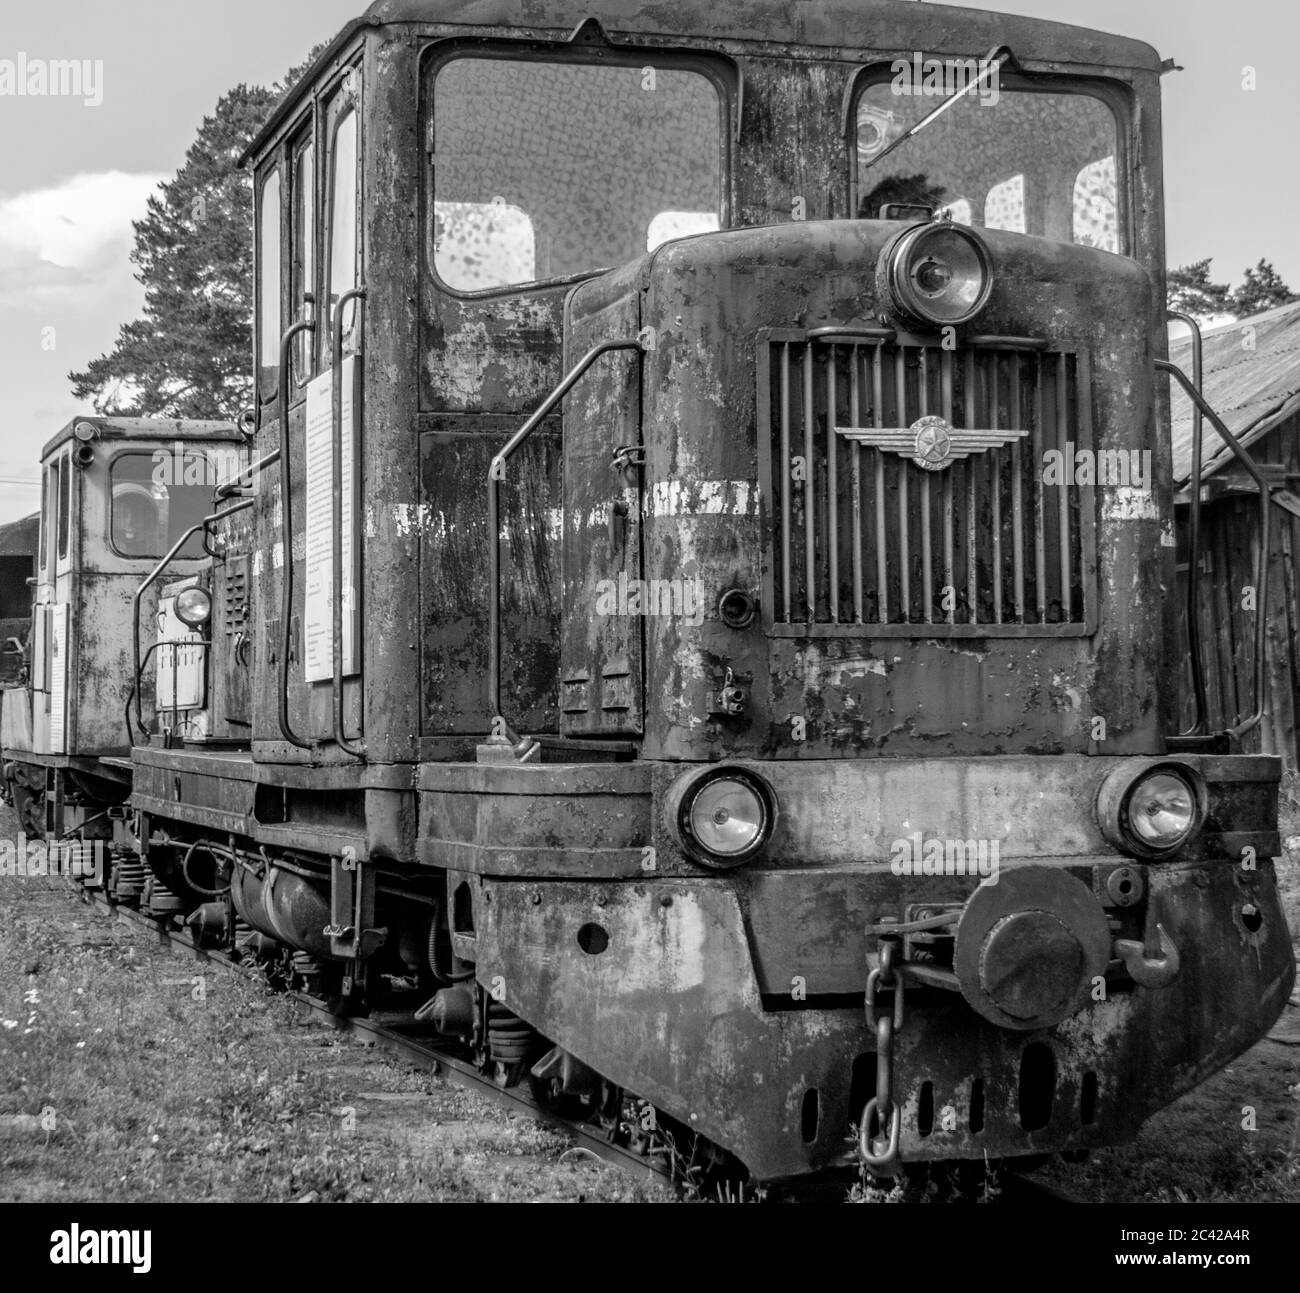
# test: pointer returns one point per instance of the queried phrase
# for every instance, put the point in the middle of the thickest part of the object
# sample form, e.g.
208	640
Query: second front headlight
1151	808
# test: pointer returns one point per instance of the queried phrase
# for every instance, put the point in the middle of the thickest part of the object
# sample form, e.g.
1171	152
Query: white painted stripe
703	498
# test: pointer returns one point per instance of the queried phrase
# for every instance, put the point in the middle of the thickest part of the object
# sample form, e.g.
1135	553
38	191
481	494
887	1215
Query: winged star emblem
932	442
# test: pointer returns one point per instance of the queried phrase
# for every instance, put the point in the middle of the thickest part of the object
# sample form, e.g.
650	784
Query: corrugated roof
1246	387
18	538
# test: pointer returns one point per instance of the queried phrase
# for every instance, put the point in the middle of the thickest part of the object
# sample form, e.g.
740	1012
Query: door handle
618	518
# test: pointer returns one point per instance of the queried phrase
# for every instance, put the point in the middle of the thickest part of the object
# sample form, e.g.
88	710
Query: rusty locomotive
701	558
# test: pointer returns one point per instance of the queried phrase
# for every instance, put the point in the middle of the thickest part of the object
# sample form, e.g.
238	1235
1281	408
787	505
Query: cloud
58	244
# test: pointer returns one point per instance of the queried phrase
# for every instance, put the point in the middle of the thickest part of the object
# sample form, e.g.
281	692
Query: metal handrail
357	751
149	579
133	693
227	487
1194	537
496	473
286	536
1261	561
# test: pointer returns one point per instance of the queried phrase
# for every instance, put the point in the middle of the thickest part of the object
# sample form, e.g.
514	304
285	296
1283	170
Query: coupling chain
880	1152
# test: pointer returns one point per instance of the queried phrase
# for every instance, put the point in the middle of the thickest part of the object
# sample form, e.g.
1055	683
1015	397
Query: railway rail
401	1034
389	1031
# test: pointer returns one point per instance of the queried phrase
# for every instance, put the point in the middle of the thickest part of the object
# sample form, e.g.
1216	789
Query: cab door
342	270
51	645
602	652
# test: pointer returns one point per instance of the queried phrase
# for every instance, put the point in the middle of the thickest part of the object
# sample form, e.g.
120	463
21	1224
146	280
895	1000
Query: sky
75	172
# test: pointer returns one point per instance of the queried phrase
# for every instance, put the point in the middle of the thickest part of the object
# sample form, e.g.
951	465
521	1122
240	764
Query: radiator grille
863	536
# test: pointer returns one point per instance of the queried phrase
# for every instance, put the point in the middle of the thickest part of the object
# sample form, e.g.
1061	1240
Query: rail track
401	1034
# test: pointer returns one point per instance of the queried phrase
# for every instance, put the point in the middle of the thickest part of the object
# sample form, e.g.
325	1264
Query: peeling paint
860	669
1129	503
703	498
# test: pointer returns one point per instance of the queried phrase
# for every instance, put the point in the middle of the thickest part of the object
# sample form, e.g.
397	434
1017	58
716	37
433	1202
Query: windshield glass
1000	157
157	496
547	170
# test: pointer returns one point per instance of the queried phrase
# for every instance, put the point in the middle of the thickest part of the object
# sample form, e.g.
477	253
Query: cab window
49	513
343	213
268	283
552	170
1028	155
303	272
63	469
153	503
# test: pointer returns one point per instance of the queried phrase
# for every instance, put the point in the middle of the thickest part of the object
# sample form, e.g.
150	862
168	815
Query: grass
117	1083
1175	1160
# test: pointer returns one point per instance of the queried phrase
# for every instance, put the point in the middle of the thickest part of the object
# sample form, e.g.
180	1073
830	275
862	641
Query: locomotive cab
117	495
713	563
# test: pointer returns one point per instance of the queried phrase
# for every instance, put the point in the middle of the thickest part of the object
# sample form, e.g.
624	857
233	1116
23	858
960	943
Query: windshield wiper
997	57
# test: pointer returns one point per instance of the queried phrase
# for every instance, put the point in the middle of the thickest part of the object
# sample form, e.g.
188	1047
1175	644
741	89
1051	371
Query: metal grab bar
227	487
163	563
1261	562
1194	537
131	695
357	751
286	536
496	473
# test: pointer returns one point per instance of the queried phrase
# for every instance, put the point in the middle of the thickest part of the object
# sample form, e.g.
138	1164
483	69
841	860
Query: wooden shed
18	541
1251	378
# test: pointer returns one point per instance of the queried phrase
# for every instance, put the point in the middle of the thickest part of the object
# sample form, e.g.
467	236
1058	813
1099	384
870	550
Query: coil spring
128	876
162	901
509	1037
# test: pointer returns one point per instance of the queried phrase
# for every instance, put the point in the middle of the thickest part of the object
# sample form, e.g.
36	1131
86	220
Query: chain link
880	1153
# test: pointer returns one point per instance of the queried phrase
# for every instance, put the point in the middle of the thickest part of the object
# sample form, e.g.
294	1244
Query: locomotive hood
1000	622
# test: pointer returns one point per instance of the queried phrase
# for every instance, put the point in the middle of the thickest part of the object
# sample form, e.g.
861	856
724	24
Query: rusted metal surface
672	1009
732	999
705	520
97	582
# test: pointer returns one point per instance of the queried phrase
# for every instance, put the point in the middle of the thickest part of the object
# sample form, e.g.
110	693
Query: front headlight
1151	808
1162	810
193	607
937	273
724	817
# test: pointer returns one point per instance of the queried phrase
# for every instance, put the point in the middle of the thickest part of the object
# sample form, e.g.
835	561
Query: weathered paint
684	1005
710	298
673	1010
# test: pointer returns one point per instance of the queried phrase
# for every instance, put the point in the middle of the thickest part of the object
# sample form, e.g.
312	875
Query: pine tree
190	354
1190	291
1262	289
